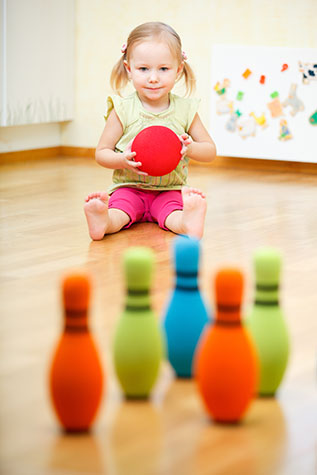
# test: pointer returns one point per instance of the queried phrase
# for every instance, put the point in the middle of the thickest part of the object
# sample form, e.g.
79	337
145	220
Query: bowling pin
266	321
186	314
76	376
225	360
138	339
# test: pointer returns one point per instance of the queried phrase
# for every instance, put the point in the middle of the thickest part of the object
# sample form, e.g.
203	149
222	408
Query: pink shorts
146	205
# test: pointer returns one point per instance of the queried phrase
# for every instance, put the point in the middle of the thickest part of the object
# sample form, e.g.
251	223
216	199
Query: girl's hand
128	160
185	140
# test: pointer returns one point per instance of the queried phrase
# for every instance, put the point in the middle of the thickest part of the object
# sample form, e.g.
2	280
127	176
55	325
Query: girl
153	60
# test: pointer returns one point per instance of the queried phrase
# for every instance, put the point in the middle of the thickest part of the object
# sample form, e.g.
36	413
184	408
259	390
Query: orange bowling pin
76	377
226	362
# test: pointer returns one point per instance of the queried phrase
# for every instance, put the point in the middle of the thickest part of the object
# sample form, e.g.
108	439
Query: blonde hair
119	76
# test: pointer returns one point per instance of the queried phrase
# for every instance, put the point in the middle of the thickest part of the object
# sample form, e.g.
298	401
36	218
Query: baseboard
26	155
259	164
78	152
219	162
42	153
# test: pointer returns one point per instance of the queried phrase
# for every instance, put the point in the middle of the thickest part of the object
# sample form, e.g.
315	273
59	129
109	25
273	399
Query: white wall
103	25
37	55
29	137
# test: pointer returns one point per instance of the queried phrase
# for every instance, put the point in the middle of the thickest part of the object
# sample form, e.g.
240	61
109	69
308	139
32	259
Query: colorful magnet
285	133
246	73
222	88
260	120
231	124
224	106
293	101
284	67
274	94
247	127
240	95
309	71
313	118
275	107
262	79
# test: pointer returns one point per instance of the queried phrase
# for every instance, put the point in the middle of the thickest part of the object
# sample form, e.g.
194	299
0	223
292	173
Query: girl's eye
164	69
143	69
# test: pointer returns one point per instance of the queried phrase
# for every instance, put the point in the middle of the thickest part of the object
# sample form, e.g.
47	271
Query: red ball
158	148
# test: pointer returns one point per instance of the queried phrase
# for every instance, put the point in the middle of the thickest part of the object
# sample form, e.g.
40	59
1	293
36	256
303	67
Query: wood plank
44	235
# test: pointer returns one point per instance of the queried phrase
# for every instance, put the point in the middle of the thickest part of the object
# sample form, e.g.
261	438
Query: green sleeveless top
134	118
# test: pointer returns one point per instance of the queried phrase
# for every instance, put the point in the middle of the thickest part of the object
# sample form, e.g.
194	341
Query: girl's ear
127	67
180	68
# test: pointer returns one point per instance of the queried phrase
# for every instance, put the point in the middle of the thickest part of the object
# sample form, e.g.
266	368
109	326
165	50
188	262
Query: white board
263	134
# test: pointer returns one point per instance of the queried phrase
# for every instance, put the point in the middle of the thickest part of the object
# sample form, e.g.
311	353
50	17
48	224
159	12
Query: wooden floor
44	235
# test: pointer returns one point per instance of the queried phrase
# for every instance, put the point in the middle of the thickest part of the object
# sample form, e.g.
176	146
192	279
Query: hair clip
124	48
184	56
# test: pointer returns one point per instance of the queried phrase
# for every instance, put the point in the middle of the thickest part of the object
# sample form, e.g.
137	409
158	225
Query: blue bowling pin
186	314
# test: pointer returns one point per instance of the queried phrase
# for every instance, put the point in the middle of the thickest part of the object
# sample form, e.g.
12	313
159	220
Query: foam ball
158	148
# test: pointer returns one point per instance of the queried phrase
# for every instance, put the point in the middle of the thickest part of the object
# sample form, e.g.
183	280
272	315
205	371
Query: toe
103	196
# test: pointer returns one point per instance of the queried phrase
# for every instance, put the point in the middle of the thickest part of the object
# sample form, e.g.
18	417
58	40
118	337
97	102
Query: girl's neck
157	106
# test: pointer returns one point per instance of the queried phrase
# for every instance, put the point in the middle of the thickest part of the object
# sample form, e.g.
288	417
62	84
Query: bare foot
96	211
194	212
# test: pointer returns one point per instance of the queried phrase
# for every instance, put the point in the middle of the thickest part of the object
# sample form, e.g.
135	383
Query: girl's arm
105	154
202	148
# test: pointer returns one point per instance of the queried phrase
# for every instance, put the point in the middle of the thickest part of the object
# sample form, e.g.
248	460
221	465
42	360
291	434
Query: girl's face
153	70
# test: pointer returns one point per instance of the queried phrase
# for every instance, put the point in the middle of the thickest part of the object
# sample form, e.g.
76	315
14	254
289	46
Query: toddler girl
153	60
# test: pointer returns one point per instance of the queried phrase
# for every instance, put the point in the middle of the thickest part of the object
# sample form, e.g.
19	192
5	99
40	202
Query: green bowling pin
138	338
266	321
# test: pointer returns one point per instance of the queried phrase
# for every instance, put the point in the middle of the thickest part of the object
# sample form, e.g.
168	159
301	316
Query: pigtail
189	78
119	76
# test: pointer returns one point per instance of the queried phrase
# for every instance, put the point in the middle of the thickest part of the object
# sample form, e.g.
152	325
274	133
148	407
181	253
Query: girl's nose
153	77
